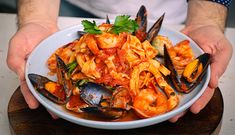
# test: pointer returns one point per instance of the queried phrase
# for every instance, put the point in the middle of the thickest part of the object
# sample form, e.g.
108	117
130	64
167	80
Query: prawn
149	103
149	97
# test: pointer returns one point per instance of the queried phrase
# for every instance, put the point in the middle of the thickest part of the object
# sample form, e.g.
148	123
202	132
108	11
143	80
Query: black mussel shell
39	82
93	93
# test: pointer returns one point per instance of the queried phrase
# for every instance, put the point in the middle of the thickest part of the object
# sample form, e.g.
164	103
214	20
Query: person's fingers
29	98
215	74
175	118
221	51
202	101
218	66
207	95
53	115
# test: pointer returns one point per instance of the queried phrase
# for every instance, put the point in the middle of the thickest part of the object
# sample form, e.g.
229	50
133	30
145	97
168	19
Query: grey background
66	9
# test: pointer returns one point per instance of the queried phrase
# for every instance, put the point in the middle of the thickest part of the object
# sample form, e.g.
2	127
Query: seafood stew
110	75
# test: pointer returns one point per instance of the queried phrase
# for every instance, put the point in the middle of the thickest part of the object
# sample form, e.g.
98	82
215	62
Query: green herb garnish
82	82
110	88
123	23
90	27
71	66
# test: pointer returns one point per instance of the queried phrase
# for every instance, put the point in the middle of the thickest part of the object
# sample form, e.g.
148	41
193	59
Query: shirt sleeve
226	3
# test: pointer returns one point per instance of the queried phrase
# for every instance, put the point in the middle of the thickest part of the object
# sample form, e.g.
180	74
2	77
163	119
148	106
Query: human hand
212	40
20	46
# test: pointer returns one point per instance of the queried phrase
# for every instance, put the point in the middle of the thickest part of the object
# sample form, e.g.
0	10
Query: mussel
48	88
153	31
63	85
141	19
81	33
107	20
102	101
91	97
60	91
192	74
93	93
63	77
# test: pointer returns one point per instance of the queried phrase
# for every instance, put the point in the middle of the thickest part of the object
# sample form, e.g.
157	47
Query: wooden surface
24	121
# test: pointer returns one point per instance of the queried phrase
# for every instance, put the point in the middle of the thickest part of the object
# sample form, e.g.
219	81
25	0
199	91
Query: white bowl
36	63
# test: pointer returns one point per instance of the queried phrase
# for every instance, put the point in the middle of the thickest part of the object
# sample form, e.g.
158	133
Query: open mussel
141	19
60	91
107	20
63	77
86	97
48	88
153	31
152	34
103	102
92	93
91	98
121	98
192	74
81	33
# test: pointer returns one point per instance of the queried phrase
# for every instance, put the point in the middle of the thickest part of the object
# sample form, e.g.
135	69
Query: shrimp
181	55
149	103
136	93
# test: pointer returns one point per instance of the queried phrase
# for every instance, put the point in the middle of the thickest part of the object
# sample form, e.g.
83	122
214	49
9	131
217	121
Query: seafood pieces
48	88
108	74
141	19
86	97
192	73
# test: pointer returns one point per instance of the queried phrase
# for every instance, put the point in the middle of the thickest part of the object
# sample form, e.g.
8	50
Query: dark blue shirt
226	3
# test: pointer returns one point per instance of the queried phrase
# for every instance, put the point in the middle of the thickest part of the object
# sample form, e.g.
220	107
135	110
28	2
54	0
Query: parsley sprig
90	27
71	66
122	23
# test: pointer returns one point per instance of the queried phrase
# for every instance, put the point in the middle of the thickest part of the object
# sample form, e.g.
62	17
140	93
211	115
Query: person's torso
175	10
